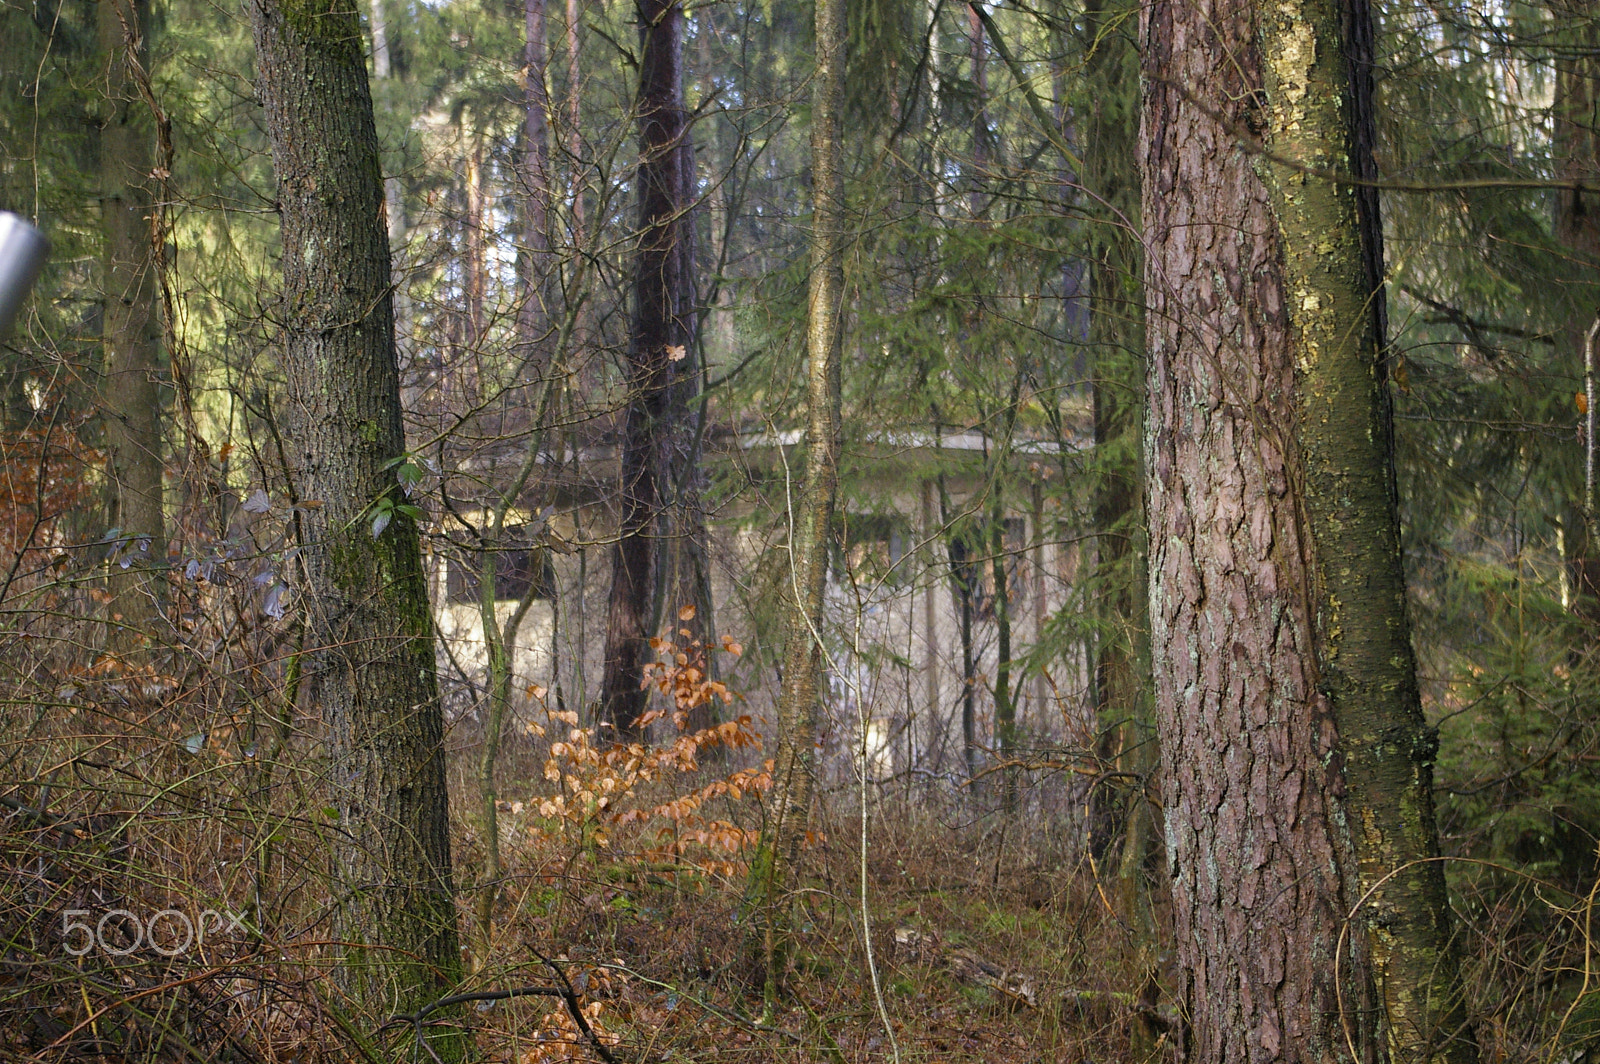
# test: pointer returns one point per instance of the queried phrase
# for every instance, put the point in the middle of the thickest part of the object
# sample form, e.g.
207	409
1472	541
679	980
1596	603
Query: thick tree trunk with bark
1250	789
790	800
130	386
1291	729
1251	786
370	658
660	337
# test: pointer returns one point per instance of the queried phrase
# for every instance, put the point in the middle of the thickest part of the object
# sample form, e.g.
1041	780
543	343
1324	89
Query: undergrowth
164	874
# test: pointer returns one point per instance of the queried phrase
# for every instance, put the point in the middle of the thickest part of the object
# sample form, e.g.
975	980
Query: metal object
22	253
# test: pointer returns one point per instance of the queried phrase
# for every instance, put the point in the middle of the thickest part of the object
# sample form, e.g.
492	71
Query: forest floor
990	938
994	935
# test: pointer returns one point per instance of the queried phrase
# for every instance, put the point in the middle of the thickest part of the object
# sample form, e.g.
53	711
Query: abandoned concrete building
900	670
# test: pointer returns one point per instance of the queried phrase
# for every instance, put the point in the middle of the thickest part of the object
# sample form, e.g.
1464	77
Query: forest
860	530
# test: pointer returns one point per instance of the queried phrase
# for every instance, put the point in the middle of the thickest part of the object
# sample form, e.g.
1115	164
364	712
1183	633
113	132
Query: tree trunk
980	116
1256	854
660	335
1577	226
130	385
1285	685
963	586
533	315
370	659
1116	337
790	800
1320	115
393	194
1005	706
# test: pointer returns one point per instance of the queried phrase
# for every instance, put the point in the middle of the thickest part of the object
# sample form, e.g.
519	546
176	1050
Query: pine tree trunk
1297	761
660	335
130	385
370	662
790	800
1257	857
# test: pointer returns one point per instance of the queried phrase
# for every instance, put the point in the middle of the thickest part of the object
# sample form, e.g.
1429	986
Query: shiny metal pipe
22	253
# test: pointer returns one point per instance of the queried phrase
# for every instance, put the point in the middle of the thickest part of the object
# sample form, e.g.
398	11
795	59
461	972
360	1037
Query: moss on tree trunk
1317	77
369	662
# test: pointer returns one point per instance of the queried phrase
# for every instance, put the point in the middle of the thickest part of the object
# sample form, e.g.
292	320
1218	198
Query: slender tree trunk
980	113
1296	760
964	587
1577	226
130	385
1121	651
499	652
500	640
661	335
533	315
1005	706
394	203
575	115
790	800
475	265
370	653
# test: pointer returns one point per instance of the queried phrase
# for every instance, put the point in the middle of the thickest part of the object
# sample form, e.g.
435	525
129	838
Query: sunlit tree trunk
1297	760
370	656
130	383
790	798
1319	58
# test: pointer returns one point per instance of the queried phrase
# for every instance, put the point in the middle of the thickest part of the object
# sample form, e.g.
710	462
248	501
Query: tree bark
1251	789
1296	759
370	658
1318	81
660	338
130	384
790	799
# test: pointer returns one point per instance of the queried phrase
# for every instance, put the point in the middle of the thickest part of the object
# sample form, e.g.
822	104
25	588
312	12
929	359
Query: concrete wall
893	630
